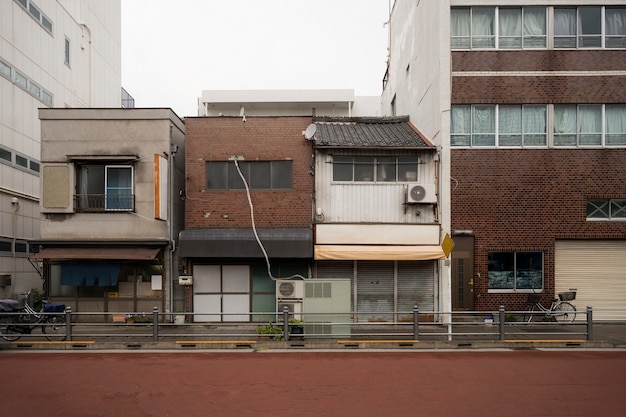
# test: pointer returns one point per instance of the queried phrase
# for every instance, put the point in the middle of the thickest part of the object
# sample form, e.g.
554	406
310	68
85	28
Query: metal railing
433	326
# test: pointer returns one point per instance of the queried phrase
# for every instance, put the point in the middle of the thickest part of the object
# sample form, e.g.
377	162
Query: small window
46	23
5	155
615	115
46	98
105	188
67	52
5	70
34	11
606	209
21	80
259	175
34	166
515	271
21	161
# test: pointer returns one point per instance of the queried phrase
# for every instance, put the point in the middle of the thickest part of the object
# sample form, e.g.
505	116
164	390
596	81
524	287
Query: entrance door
221	293
463	273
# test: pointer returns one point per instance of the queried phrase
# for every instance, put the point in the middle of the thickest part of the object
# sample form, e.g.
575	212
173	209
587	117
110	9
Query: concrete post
286	323
68	324
589	323
416	323
155	324
501	322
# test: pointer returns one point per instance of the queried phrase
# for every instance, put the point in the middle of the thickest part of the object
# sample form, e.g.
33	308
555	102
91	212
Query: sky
172	50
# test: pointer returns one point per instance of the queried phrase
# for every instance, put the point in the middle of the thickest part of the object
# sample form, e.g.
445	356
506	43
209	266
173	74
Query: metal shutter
597	269
375	290
416	287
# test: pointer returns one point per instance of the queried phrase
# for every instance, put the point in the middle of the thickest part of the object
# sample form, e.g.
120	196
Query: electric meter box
185	280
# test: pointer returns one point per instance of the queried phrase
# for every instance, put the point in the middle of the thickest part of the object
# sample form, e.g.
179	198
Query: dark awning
126	253
241	243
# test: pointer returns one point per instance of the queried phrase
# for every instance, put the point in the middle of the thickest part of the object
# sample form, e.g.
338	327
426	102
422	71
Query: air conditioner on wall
421	193
289	289
294	308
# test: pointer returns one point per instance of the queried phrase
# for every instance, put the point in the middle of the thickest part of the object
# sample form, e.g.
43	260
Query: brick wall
259	138
525	199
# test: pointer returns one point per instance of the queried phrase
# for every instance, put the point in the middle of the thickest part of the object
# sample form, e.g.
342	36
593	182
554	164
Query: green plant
270	330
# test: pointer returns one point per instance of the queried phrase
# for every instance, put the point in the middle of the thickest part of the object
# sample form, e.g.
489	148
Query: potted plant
270	331
295	327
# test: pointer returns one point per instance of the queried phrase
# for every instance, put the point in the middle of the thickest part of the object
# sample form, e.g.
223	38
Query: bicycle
17	320
560	309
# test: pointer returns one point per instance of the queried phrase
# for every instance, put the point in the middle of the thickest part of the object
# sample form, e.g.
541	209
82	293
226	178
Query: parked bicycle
560	310
17	320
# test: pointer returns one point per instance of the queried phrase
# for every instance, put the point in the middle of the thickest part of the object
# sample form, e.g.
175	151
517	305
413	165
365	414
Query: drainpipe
170	217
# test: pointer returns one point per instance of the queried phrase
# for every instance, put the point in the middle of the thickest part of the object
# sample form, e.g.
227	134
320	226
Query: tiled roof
373	132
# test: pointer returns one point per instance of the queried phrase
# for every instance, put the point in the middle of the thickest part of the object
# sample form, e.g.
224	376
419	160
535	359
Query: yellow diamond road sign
447	245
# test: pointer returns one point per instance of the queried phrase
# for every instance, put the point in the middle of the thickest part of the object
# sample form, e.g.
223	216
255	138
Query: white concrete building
53	53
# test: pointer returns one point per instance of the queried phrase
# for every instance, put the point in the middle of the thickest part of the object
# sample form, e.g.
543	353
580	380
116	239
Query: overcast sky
174	49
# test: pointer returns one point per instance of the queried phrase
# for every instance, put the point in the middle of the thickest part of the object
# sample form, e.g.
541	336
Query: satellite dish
310	131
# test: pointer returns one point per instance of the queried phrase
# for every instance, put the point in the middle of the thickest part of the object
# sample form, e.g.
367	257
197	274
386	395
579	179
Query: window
36	14
516	28
105	188
615	115
581	27
473	125
578	125
379	169
67	52
515	271
259	175
606	209
522	126
25	83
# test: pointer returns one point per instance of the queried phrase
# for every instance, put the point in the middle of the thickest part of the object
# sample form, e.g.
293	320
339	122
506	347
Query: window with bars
606	209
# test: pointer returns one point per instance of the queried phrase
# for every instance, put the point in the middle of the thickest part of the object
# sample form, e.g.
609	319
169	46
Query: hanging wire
256	235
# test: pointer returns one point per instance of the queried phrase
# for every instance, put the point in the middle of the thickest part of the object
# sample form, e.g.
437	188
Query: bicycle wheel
7	328
54	328
528	317
564	312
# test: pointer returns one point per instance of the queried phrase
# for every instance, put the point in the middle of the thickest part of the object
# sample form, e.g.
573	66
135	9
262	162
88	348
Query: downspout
170	218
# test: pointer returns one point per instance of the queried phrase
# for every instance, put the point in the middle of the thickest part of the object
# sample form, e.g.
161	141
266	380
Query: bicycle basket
567	295
533	298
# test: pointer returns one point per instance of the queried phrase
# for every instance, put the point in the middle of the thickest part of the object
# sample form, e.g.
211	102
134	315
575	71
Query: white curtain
615	22
616	124
590	124
510	30
565	125
565	22
483	126
535	125
534	27
510	125
483	35
460	125
460	28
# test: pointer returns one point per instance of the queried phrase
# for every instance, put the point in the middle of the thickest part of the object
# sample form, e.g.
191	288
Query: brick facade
258	138
525	199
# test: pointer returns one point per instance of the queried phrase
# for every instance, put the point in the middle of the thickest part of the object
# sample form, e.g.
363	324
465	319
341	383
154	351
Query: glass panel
565	28
119	188
407	168
460	28
615	124
364	168
483	126
615	24
234	178
597	209
21	161
501	272
618	209
34	166
46	98
460	125
5	70
282	174
20	80
5	155
534	27
510	125
590	124
46	23
342	168
260	175
535	125
589	27
34	89
217	175
528	270
34	11
510	23
564	125
483	34
386	169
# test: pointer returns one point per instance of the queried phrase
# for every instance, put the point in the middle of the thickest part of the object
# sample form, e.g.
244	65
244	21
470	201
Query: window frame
606	207
375	163
516	271
231	181
104	203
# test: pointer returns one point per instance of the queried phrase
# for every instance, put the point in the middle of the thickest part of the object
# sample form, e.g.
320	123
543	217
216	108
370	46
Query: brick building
528	103
236	243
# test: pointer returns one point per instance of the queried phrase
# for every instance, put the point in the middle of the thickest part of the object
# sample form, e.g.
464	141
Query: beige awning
127	253
378	252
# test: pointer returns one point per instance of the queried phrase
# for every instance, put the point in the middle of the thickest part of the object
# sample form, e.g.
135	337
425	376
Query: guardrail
501	325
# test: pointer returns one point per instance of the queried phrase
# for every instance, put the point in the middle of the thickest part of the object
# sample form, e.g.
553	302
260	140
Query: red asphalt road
344	383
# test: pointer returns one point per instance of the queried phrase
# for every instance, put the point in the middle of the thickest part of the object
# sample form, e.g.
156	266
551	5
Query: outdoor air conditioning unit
421	193
294	307
290	289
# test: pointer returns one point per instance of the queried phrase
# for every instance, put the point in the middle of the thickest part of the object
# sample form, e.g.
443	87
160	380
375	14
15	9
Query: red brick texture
525	199
259	138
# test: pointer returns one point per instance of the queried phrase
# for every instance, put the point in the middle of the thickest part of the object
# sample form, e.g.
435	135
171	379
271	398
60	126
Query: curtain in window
460	28
534	27
535	125
615	23
483	35
590	125
564	125
510	35
119	188
616	124
483	126
564	28
510	125
460	125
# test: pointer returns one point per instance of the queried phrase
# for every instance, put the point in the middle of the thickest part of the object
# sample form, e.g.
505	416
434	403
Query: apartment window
381	169
259	175
515	271
581	27
25	83
105	188
34	12
606	209
473	125
522	126
5	70
67	52
615	116
503	27
578	125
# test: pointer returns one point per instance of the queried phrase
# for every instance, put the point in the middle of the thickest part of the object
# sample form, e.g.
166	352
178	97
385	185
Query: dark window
515	270
105	188
259	175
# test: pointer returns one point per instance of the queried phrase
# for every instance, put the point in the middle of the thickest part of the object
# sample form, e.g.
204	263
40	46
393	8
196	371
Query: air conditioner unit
421	193
290	289
294	307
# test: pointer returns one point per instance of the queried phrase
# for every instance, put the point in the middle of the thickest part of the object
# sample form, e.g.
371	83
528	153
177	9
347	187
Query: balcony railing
100	203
